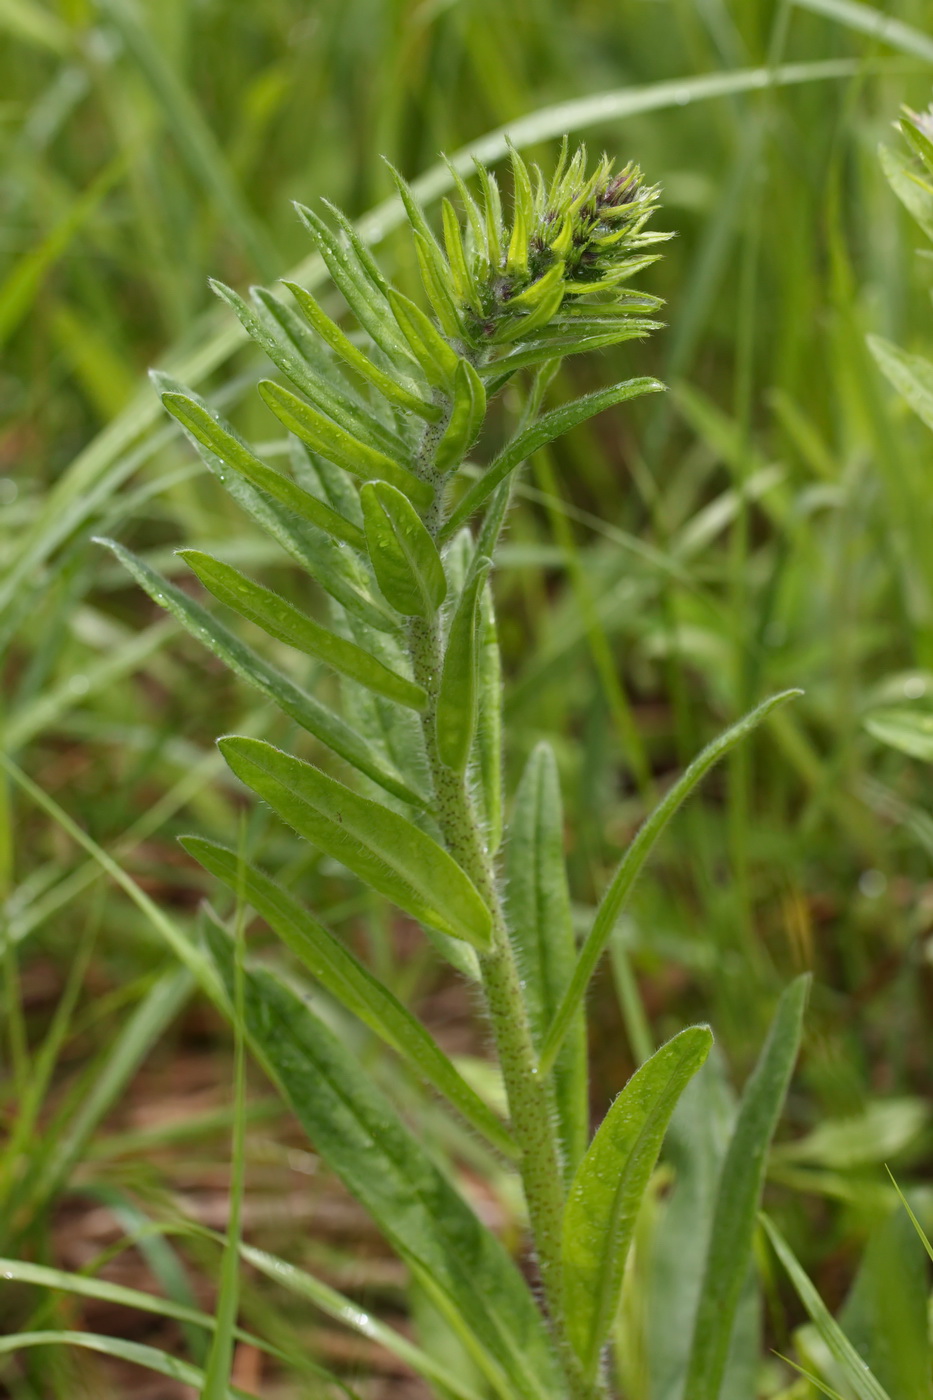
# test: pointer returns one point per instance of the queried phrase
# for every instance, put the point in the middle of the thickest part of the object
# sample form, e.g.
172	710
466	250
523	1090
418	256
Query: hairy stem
529	1094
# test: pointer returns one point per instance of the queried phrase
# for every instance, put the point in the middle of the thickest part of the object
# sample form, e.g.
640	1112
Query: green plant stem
529	1094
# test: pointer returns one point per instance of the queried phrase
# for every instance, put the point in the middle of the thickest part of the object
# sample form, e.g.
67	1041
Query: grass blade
614	899
863	1383
739	1194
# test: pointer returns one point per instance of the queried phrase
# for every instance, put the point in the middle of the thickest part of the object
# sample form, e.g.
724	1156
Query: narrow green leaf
541	929
205	429
384	849
351	983
552	425
334	1304
606	1194
252	668
614	899
359	289
387	385
310	367
458	693
466	418
523	214
102	1290
338	571
435	278
150	1358
331	441
739	1195
404	557
911	375
437	359
284	621
463	281
853	1367
360	1136
885	1314
488	742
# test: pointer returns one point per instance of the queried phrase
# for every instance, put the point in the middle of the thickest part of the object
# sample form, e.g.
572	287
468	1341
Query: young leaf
467	293
384	849
488	743
282	620
552	425
853	1367
435	278
466	418
342	345
614	899
350	982
517	256
310	367
437	359
295	702
606	1193
405	560
541	929
205	429
739	1195
360	291
360	1136
457	697
331	441
334	568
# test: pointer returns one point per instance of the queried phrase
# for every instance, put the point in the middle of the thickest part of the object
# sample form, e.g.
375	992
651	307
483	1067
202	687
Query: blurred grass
767	524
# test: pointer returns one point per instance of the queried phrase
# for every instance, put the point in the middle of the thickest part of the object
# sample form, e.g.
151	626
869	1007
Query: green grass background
768	524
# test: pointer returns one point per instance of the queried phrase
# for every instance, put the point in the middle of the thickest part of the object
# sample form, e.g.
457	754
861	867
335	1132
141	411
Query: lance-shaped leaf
331	441
604	1199
463	279
557	346
290	346
388	386
281	619
437	359
466	418
523	216
385	850
338	571
458	693
613	901
739	1195
405	560
435	278
488	741
541	929
350	982
361	1137
202	426
316	718
363	296
550	426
